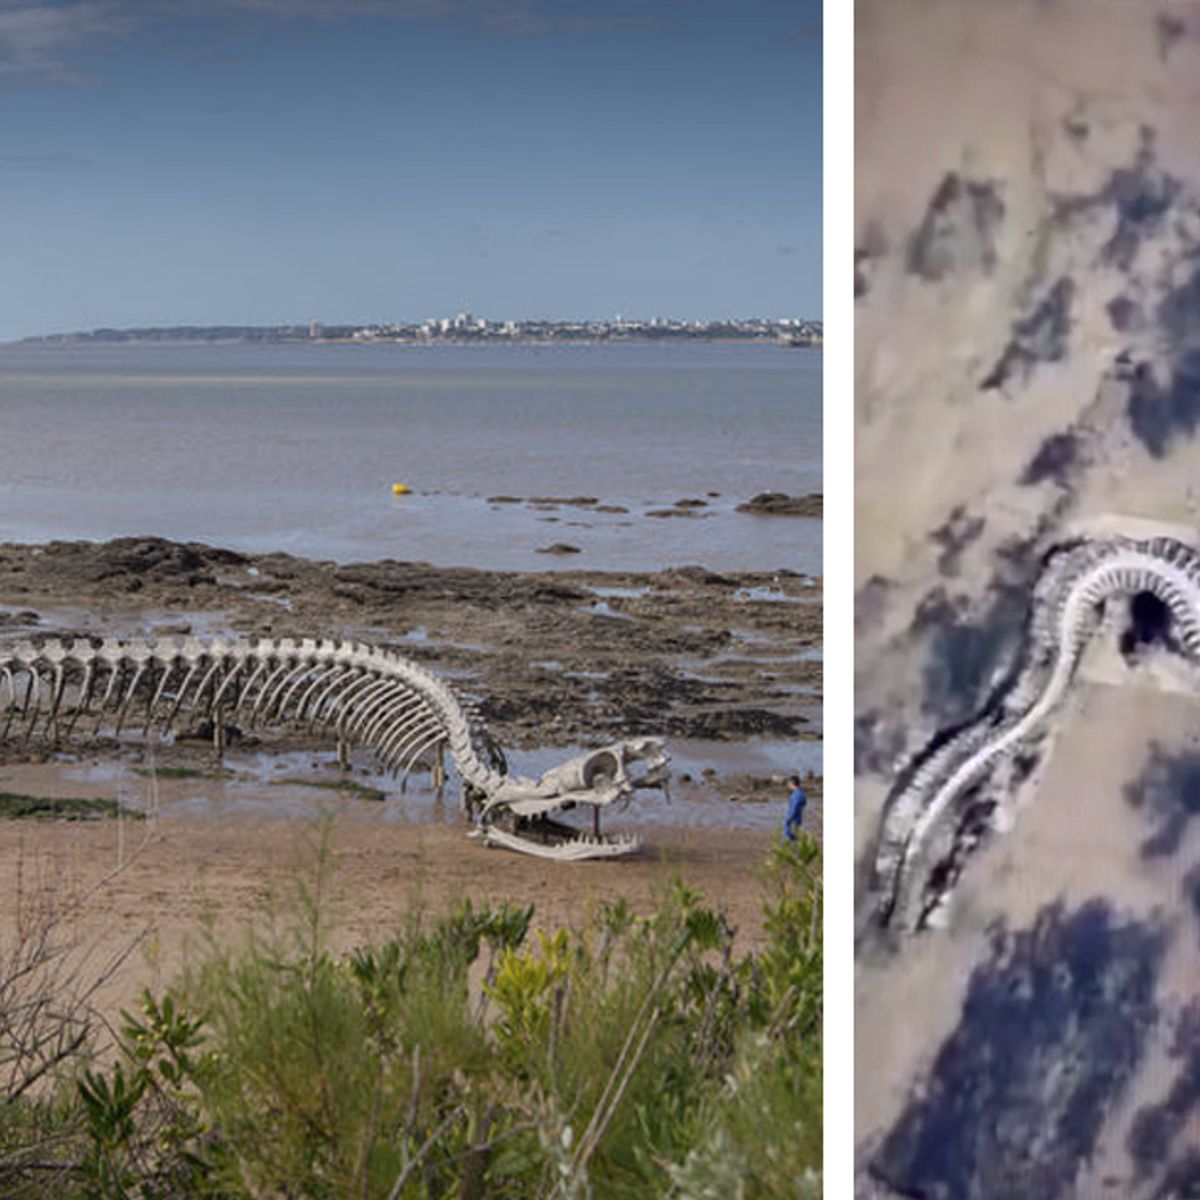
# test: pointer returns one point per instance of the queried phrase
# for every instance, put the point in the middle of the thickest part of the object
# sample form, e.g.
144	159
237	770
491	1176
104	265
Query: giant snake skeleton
59	690
1068	608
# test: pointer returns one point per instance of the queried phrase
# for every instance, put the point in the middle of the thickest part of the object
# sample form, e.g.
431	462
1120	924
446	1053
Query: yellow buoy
400	489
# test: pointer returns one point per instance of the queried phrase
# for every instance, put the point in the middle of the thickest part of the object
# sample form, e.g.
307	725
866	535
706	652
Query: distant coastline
463	329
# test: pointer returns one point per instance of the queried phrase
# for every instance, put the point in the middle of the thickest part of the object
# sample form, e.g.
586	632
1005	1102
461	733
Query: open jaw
544	837
522	815
64	691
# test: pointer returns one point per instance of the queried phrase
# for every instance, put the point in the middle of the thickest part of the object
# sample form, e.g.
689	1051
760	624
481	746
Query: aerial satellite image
1027	283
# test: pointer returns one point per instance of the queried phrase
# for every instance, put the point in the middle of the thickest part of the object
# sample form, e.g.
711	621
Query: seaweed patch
1053	1026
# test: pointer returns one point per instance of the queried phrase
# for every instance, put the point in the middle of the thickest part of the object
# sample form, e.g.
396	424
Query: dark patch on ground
1168	792
1057	459
958	231
1156	1126
878	743
870	601
1141	196
958	531
1157	413
1179	311
862	264
1169	30
867	254
1040	337
966	653
1077	128
1182	1181
1125	315
1024	765
1147	405
1052	1028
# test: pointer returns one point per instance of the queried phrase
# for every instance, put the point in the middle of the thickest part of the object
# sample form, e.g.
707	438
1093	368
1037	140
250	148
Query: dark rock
559	548
25	617
778	504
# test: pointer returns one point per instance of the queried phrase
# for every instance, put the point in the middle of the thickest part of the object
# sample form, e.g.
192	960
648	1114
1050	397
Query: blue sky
262	161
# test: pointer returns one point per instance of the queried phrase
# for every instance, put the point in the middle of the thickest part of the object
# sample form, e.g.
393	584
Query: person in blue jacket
795	810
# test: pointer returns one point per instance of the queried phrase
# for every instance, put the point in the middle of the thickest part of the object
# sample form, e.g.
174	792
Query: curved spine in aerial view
1067	609
62	691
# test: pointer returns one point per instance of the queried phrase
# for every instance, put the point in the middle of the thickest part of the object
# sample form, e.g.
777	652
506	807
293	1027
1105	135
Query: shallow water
255	784
296	447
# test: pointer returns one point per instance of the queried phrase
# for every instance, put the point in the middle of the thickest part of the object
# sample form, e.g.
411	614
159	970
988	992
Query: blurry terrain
1027	277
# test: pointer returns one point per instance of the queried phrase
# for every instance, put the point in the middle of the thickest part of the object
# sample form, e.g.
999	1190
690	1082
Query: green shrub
630	1057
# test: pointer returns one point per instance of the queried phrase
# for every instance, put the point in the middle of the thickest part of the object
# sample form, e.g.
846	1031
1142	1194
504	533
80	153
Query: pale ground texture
1028	368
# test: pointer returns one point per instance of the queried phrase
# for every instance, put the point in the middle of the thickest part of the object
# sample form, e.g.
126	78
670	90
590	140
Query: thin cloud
37	40
45	41
518	18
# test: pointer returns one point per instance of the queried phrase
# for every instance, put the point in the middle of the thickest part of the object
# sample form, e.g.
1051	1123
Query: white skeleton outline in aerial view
1067	609
57	690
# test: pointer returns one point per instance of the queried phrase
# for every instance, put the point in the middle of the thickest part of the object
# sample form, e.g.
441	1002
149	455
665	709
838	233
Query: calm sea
296	449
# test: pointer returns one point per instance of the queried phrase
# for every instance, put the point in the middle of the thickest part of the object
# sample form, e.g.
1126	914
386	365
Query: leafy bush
630	1057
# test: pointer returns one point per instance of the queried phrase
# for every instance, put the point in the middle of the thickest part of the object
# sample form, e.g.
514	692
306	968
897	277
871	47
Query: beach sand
152	888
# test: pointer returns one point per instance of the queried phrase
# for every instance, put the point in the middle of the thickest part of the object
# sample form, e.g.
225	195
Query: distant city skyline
284	161
463	326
